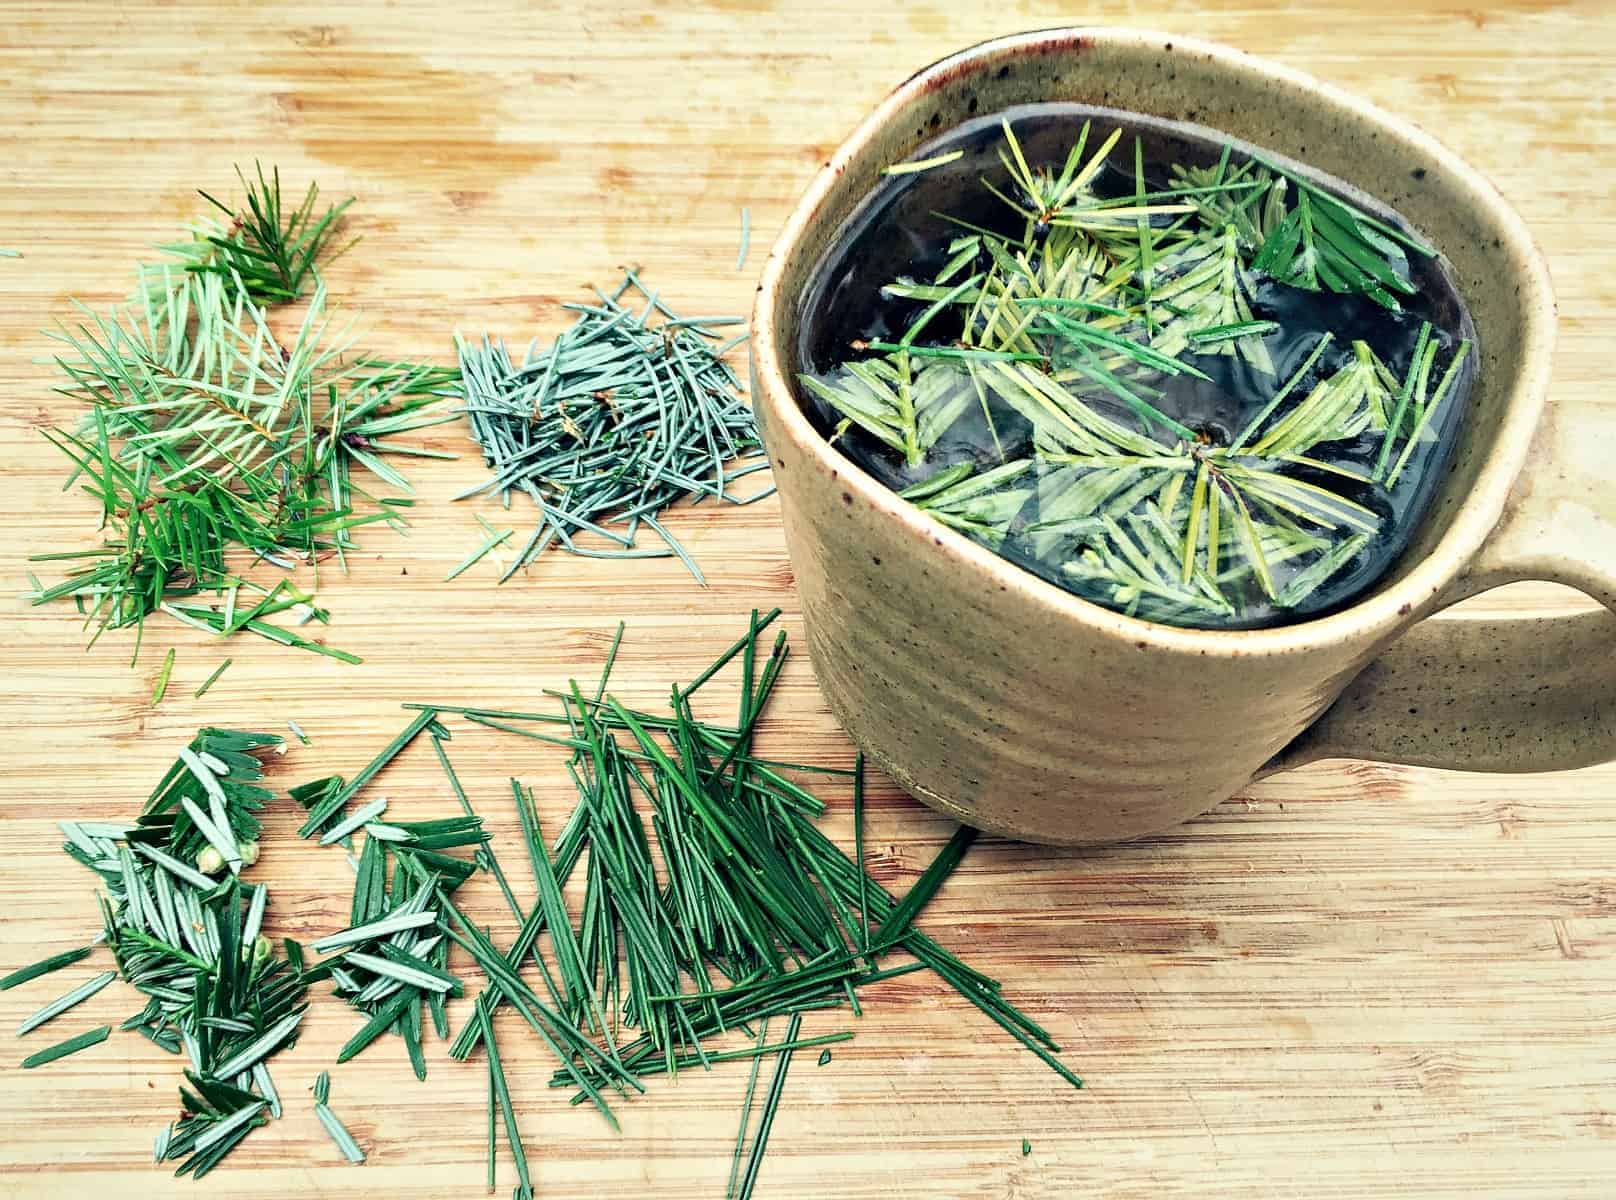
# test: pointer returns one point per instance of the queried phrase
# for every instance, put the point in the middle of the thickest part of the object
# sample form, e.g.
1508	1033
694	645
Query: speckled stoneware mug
1020	708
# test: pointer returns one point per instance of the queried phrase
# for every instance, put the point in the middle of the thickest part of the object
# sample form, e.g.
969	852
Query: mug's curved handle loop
1505	694
1560	523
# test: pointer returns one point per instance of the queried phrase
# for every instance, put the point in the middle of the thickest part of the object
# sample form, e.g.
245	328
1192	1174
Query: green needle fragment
161	686
71	1046
60	1005
45	966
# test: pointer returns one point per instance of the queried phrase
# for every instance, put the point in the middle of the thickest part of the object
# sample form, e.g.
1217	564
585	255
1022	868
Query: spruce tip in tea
1174	374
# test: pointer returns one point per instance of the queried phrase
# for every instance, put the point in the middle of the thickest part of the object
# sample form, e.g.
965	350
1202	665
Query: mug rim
1402	601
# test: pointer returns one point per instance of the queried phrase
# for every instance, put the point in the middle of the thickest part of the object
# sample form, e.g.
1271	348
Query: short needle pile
631	408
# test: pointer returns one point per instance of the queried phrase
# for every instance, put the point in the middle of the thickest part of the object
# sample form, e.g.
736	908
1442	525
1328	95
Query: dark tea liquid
898	233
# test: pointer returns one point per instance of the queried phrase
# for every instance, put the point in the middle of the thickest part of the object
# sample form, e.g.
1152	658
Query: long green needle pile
215	440
628	410
711	901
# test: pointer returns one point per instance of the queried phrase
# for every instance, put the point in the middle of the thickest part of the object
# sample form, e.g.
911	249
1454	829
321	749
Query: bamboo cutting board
1351	981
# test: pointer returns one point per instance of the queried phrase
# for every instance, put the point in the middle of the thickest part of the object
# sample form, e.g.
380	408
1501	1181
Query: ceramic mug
1020	708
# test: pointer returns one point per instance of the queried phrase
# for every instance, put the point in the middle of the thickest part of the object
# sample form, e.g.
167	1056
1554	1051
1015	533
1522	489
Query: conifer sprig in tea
1078	324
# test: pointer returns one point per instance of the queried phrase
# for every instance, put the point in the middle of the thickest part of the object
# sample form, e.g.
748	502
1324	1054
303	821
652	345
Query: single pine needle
45	966
493	539
771	1106
746	1111
71	1046
923	164
339	1134
373	930
59	1006
212	679
161	686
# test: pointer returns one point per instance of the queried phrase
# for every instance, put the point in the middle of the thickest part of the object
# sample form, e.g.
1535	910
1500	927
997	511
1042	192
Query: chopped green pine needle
212	679
45	966
161	686
71	1046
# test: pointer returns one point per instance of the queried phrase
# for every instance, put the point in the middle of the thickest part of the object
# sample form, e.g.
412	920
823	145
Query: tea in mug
1175	374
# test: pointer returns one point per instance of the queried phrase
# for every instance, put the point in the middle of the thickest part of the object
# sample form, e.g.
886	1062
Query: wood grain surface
1352	981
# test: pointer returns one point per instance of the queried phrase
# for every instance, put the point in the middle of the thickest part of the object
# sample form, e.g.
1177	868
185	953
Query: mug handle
1511	693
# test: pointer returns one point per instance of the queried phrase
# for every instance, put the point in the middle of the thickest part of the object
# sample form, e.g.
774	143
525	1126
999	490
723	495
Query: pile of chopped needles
628	410
711	902
191	943
214	441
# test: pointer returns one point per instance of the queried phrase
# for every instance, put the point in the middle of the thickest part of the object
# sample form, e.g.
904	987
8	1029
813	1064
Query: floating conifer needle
923	164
